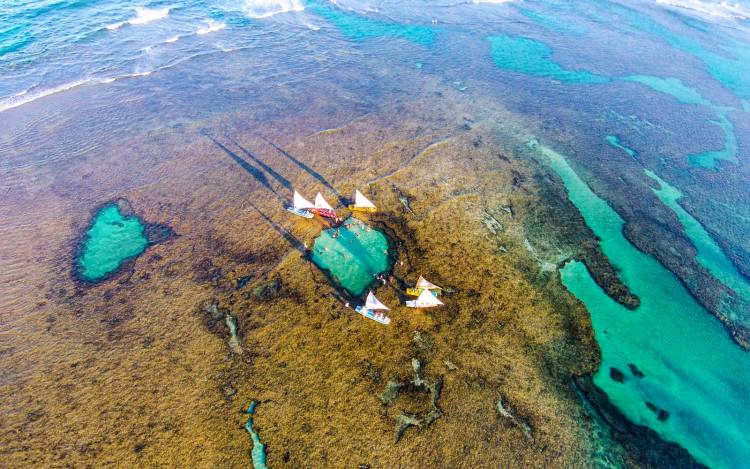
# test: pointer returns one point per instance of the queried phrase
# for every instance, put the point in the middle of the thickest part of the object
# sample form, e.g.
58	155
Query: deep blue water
669	79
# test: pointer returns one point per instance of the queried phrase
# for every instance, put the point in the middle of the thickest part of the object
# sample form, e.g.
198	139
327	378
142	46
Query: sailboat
426	299
362	204
422	285
322	207
301	206
372	308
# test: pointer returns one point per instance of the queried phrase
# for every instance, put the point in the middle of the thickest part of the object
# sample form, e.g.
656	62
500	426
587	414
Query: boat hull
370	314
418	291
324	212
354	208
299	212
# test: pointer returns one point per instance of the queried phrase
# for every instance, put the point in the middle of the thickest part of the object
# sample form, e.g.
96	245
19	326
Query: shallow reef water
112	239
258	452
521	54
685	356
353	257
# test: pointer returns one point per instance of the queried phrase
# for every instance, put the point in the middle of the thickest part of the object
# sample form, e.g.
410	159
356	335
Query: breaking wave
211	26
142	16
267	8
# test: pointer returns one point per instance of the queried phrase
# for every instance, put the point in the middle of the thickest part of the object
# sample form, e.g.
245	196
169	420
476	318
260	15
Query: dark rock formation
616	374
642	443
635	371
418	384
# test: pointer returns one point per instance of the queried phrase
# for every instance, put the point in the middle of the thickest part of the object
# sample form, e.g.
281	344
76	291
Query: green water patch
258	452
707	159
671	86
521	54
691	370
687	95
114	236
353	257
710	255
731	67
614	141
358	28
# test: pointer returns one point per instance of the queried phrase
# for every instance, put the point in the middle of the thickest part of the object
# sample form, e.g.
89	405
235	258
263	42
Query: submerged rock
616	375
505	412
418	384
635	371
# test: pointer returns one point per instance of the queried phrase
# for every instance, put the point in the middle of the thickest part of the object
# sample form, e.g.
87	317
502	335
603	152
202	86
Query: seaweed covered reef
234	309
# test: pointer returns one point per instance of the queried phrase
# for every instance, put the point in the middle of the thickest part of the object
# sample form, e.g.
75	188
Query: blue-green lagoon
111	240
687	357
352	255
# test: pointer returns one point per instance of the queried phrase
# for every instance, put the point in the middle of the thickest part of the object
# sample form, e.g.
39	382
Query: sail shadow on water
289	237
319	177
278	177
252	170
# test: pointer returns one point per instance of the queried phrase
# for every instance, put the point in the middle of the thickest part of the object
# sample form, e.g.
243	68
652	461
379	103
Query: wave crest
211	26
142	16
267	8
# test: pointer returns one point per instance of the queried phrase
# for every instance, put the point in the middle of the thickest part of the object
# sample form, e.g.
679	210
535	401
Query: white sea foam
142	16
267	8
172	39
29	96
706	7
211	26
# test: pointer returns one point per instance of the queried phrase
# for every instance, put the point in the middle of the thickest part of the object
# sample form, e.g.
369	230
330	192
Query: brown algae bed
157	365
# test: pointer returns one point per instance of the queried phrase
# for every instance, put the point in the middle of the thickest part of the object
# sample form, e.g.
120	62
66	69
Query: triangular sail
320	202
426	300
373	303
422	283
301	203
362	201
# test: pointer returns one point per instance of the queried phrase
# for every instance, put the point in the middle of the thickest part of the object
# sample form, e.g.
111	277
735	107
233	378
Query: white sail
361	201
423	284
320	202
301	203
373	303
426	300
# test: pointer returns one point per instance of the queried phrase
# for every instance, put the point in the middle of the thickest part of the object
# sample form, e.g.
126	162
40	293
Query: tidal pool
691	367
354	258
112	239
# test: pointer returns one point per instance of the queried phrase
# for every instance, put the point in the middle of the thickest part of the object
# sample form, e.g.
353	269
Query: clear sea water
666	84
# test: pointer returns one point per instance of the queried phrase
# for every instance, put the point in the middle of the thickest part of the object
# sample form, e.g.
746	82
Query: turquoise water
354	258
358	27
614	141
692	368
731	67
707	159
111	240
258	452
521	54
710	254
671	86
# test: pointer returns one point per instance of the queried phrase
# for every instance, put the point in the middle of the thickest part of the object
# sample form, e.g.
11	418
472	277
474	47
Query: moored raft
322	207
422	285
426	299
371	310
362	204
301	206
